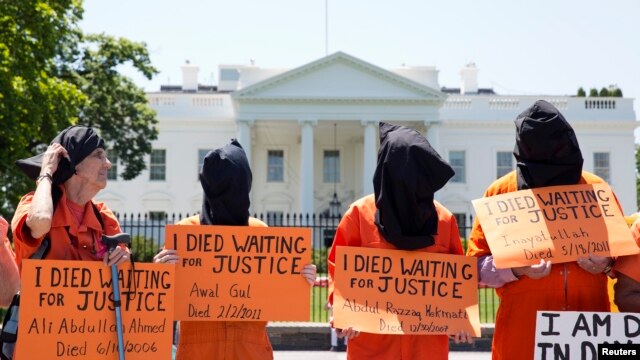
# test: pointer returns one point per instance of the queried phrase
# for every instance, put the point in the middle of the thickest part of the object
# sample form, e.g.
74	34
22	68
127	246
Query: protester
547	154
627	270
10	283
226	180
401	214
69	174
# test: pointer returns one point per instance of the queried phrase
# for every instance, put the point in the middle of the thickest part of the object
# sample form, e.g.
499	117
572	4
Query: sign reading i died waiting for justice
67	310
240	273
385	291
556	223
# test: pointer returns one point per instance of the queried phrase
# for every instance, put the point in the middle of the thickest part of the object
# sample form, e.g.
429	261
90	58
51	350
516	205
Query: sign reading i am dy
240	273
385	291
556	223
67	310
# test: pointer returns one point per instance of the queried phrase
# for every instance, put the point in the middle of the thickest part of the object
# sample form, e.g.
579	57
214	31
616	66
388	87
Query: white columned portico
244	135
306	165
433	134
370	153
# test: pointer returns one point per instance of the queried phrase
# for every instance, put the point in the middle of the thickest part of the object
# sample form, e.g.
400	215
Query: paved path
328	355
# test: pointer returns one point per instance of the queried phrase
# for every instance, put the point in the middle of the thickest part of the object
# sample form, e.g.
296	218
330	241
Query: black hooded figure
408	173
226	180
547	150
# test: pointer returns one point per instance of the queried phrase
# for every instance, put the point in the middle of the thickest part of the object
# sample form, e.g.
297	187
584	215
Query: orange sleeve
455	243
630	265
111	224
347	234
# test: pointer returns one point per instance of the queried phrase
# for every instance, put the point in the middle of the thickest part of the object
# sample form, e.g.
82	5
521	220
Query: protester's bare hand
51	158
348	333
309	273
462	337
166	256
117	256
594	264
537	271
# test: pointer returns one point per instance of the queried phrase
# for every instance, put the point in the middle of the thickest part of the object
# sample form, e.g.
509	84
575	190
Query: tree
53	76
593	92
616	92
581	92
604	92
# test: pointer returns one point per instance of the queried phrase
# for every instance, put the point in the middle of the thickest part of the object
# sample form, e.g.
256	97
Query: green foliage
53	76
144	249
616	92
581	92
319	258
593	92
604	92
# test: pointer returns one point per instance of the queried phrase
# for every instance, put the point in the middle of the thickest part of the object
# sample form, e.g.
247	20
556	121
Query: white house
312	131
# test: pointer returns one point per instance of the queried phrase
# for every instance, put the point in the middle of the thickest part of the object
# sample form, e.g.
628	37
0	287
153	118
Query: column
370	153
244	135
306	165
433	134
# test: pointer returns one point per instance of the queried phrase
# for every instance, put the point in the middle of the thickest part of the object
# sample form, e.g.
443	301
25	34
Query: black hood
79	141
226	180
547	150
408	173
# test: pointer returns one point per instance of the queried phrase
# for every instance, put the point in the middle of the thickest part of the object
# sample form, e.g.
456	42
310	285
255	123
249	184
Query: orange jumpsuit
630	265
68	240
567	287
223	340
357	228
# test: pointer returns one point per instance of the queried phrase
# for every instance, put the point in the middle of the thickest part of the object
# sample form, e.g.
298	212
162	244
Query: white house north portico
313	129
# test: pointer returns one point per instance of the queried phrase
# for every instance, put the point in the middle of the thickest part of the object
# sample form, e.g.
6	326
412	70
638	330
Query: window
201	154
274	218
504	163
112	174
331	163
457	162
275	166
158	165
461	219
601	165
157	215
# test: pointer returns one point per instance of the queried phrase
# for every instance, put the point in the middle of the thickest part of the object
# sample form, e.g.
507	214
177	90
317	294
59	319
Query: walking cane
111	242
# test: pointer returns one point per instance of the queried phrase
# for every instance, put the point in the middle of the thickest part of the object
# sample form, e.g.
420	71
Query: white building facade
313	131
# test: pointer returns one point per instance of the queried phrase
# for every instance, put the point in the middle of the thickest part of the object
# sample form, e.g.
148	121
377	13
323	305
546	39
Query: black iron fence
147	235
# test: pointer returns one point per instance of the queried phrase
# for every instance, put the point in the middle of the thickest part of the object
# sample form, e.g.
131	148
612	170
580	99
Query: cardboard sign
67	310
385	291
240	273
576	335
556	223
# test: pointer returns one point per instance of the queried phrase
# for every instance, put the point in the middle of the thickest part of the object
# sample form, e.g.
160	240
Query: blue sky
548	47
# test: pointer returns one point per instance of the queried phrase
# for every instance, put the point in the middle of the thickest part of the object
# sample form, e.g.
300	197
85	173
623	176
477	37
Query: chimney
189	77
469	77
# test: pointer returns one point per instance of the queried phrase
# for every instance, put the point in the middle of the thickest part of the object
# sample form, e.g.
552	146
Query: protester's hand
166	256
535	272
462	337
117	256
348	333
51	158
594	264
309	273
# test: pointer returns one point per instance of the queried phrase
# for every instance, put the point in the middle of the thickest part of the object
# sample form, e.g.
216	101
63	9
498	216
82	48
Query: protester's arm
490	275
166	256
9	274
41	211
627	294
